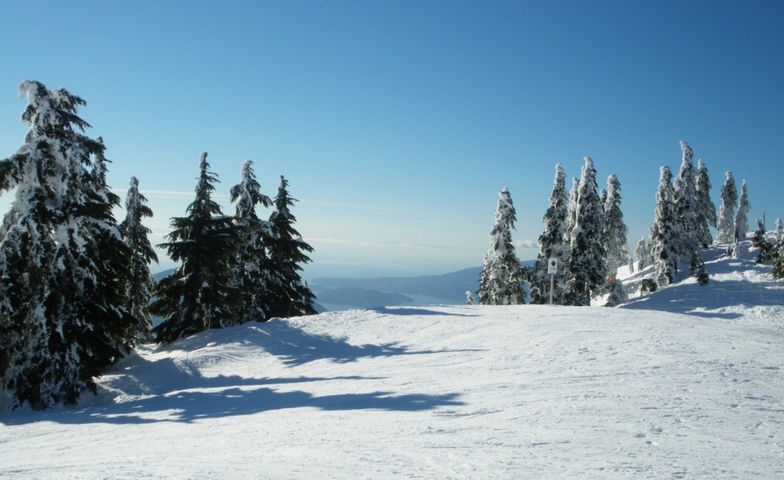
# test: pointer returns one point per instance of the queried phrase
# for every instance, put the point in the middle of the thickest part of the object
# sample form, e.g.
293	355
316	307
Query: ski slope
687	382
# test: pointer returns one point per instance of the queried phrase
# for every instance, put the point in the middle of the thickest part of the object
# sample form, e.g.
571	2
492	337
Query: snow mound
738	289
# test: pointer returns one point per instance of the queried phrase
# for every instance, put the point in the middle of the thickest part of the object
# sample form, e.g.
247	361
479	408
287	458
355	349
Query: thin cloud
527	243
390	208
364	244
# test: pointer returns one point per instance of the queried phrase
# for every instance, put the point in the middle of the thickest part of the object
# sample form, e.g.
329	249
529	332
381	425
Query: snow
679	384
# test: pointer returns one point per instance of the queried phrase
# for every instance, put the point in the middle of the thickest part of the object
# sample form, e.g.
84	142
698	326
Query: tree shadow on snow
692	299
220	397
417	311
294	346
170	387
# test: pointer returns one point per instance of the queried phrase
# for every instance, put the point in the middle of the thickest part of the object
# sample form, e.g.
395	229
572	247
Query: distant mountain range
340	293
449	288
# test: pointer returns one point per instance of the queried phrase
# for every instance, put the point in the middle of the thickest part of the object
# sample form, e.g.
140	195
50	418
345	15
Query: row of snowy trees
585	236
233	269
75	285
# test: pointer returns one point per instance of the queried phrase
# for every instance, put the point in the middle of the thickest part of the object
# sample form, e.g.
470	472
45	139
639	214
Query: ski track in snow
448	392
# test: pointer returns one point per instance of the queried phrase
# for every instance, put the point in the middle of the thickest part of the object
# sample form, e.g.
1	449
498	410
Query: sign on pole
552	266
552	269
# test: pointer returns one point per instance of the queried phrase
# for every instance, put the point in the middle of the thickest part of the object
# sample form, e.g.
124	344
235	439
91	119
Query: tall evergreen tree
706	209
62	262
729	198
199	294
742	214
501	281
141	283
552	243
665	236
252	264
587	265
689	211
290	295
686	204
615	229
779	230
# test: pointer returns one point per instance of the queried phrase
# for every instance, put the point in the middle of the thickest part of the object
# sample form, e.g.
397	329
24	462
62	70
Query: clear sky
397	123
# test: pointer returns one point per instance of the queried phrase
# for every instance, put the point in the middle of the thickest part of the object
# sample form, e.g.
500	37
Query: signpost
552	269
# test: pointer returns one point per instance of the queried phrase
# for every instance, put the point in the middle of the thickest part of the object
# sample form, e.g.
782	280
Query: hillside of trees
585	238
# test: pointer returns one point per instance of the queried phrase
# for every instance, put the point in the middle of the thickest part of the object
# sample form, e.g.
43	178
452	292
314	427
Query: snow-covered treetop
559	187
505	213
684	182
56	108
665	180
687	151
729	194
248	194
588	162
204	182
54	157
613	187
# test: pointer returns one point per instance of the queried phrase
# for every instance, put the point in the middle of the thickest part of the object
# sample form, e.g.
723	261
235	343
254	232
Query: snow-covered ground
684	383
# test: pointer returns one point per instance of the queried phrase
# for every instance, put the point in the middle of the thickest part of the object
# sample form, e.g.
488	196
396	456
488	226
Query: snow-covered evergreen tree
552	243
778	260
691	212
759	235
779	230
199	294
501	281
141	283
706	209
641	254
760	240
618	293
729	198
615	229
686	204
251	266
742	214
63	265
470	299
665	235
698	269
587	265
290	295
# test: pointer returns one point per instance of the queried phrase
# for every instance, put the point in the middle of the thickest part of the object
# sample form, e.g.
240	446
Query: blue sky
397	123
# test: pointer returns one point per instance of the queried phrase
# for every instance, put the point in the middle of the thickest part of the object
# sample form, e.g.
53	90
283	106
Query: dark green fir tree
199	295
290	296
140	285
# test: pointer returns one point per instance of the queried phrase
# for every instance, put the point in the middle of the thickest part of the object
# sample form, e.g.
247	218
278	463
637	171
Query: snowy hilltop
685	382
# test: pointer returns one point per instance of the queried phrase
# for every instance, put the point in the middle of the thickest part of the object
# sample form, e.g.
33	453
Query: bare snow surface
685	383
